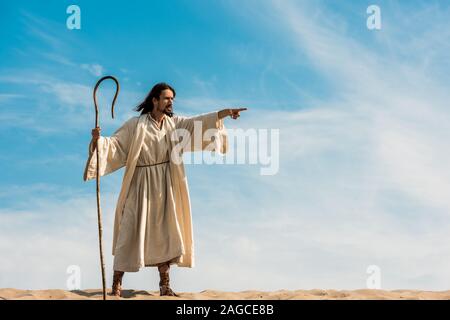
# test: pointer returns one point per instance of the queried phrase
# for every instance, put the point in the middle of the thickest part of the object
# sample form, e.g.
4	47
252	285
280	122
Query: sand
316	294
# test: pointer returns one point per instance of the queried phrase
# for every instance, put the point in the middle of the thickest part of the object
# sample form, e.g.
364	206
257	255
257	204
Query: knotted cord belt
155	164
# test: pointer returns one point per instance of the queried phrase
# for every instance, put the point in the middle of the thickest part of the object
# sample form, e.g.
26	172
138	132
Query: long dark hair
146	106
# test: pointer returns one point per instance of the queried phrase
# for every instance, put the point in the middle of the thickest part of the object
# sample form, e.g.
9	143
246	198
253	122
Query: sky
362	114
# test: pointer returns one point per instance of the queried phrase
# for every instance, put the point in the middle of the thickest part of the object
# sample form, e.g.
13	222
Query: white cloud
363	175
62	105
94	69
44	239
5	97
280	248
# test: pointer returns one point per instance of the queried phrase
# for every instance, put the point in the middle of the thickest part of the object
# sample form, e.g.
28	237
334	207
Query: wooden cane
99	213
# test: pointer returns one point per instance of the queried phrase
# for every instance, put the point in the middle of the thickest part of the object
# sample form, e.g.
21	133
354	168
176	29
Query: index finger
241	109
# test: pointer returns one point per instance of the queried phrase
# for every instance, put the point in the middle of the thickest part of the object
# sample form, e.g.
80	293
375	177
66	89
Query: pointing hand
235	113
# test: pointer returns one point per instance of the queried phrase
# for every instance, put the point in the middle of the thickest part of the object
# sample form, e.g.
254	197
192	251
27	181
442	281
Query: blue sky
363	119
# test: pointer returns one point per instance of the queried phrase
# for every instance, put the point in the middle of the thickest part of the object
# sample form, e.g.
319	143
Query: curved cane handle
114	100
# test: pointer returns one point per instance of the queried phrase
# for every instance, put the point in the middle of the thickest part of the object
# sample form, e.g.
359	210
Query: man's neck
158	116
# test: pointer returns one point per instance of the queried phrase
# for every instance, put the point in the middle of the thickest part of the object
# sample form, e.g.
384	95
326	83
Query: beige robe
153	221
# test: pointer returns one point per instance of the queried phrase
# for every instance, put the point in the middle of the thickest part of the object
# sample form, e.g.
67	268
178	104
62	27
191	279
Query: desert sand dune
316	294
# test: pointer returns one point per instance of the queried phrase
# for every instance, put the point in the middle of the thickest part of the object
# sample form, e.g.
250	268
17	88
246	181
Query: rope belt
155	164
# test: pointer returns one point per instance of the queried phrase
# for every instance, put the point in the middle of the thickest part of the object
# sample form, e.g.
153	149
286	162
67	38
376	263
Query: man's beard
168	113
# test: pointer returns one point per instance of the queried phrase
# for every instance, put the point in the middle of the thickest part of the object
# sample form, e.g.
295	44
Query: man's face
165	102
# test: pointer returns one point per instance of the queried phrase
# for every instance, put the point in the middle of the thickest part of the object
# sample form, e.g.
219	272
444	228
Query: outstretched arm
233	113
212	120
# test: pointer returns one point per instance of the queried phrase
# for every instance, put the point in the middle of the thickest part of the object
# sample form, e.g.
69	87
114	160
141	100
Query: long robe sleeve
113	151
206	132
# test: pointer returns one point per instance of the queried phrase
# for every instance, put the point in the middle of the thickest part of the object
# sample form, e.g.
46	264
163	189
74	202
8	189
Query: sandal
117	284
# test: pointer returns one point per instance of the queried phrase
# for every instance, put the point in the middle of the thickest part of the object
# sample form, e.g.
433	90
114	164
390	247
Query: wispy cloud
72	103
42	252
54	101
357	167
5	97
95	69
